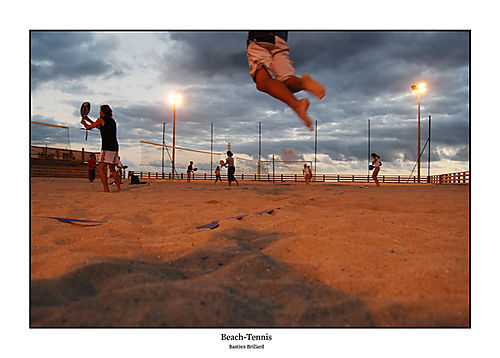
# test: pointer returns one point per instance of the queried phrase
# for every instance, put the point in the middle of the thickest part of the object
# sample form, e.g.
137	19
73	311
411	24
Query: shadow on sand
228	284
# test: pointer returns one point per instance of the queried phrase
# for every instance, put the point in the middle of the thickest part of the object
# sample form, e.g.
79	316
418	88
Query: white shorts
274	58
109	157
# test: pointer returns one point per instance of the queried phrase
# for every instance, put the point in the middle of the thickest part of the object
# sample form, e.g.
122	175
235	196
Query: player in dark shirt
109	147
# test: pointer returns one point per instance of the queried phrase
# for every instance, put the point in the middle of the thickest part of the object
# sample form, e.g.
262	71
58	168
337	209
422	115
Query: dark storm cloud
197	56
69	56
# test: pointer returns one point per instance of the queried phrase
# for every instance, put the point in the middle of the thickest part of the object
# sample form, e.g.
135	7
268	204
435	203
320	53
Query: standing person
376	163
273	72
119	168
92	165
231	169
217	174
310	172
189	171
305	171
109	147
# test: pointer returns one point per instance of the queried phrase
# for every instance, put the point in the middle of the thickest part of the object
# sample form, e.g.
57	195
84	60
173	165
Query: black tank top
108	134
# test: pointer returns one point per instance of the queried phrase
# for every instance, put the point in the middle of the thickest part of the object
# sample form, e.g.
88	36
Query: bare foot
312	86
301	110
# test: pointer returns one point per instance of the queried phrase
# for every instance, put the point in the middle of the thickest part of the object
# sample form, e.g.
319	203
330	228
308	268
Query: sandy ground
328	255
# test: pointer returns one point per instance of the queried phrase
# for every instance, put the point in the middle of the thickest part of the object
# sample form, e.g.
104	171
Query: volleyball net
155	155
49	135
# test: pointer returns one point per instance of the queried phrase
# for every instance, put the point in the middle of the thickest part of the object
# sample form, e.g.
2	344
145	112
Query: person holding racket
376	163
229	163
190	170
109	143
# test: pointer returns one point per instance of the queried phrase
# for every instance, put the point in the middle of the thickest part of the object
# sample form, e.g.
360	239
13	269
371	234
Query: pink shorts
109	157
274	58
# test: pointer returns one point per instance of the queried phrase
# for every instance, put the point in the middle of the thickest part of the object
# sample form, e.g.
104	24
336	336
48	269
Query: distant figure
273	72
92	165
217	174
109	147
231	169
189	171
307	176
119	168
376	164
310	172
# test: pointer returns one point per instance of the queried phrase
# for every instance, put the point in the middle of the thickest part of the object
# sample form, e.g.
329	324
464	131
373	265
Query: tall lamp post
418	89
174	99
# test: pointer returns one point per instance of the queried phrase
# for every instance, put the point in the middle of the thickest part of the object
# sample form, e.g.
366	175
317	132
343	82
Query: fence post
383	178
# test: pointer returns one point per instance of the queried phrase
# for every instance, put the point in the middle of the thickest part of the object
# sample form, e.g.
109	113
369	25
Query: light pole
174	99
418	89
163	154
369	156
429	152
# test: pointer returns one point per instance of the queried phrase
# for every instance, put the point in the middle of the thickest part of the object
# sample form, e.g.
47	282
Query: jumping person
376	163
305	171
92	165
273	72
109	147
229	163
189	171
217	174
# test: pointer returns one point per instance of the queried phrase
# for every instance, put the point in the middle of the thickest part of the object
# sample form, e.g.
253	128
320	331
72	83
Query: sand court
328	255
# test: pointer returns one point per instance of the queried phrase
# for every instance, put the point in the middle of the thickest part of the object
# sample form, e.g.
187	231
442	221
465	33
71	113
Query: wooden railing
60	154
59	172
451	178
324	178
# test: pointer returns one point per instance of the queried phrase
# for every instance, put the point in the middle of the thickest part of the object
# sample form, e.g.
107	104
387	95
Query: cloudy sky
367	76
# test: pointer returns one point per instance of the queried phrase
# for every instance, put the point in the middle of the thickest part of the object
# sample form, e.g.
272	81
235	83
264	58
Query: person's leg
279	90
375	173
116	177
306	82
103	175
